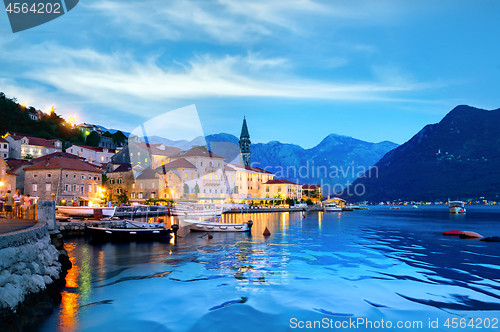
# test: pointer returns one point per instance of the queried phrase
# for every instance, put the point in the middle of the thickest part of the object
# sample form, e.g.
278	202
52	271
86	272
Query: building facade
283	189
22	145
4	148
93	155
312	192
65	180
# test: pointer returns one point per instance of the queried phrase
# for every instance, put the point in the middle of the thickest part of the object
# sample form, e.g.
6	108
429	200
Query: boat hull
457	209
128	234
85	211
333	209
200	226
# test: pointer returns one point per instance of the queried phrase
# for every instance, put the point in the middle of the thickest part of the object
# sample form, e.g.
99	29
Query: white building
93	155
21	145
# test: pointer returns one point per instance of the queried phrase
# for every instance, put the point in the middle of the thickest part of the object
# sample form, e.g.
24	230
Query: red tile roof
57	155
3	140
34	140
311	186
154	150
256	169
64	163
148	174
124	167
280	181
14	164
179	163
196	152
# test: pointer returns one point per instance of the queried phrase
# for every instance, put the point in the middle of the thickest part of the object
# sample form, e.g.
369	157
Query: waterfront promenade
12	225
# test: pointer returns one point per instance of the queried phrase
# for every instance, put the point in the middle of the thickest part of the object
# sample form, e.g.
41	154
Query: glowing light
1	184
23	105
52	110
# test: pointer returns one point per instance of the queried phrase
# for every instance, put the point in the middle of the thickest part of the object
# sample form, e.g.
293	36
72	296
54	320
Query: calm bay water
333	268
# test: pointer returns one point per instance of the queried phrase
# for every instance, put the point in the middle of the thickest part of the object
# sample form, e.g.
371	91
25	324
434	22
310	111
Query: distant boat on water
332	207
456	206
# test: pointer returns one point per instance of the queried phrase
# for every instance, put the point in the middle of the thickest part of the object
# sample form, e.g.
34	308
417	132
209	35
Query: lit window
185	175
35	187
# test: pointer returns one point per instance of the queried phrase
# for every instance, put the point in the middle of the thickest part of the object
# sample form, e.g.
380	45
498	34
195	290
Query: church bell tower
245	144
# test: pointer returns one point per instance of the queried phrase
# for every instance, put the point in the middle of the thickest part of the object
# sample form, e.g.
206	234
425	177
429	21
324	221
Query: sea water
365	270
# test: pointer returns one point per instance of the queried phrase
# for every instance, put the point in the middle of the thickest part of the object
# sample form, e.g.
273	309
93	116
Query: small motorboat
130	233
209	226
470	235
332	207
456	206
453	232
85	211
187	209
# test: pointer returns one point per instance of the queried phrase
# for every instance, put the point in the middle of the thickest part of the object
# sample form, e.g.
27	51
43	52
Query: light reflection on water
390	264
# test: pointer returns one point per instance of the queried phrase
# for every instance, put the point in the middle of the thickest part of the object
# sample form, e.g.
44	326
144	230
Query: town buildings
312	192
283	189
65	180
23	145
145	155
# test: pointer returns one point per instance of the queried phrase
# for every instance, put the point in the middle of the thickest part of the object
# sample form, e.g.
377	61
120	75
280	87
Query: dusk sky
297	69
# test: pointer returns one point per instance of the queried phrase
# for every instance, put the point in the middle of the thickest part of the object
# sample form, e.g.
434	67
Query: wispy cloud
120	78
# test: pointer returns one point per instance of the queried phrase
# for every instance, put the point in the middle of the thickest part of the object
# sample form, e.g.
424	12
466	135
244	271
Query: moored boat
130	233
456	206
196	209
332	207
209	226
85	211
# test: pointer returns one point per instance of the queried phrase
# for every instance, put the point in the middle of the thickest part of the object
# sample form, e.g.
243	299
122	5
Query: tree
235	190
93	139
290	202
196	189
122	198
186	189
119	138
28	156
309	202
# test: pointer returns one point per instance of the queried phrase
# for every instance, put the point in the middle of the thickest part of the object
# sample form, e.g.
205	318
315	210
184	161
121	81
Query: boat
456	206
332	207
130	233
196	209
139	224
85	211
210	226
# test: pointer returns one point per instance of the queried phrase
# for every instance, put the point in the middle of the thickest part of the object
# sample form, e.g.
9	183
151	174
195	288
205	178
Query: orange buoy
469	235
266	232
452	232
210	236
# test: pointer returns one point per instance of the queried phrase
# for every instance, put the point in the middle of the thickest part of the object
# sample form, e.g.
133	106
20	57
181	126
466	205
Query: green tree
235	190
93	139
196	189
119	138
122	198
28	156
309	202
186	188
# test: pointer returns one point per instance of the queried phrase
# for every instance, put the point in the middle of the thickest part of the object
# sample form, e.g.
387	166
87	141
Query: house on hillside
91	154
21	145
67	180
7	179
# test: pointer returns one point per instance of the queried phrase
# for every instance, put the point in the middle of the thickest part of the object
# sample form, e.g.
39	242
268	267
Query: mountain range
457	158
335	162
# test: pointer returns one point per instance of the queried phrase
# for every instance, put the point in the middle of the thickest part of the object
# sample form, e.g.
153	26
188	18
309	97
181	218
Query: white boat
456	206
332	207
196	209
85	211
139	224
209	226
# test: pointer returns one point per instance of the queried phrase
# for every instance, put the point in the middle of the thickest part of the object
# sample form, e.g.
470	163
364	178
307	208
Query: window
267	189
49	175
133	185
96	189
145	160
216	177
138	153
152	195
66	187
279	188
210	190
35	187
74	187
74	176
81	189
131	154
48	187
192	176
133	195
90	177
185	175
35	175
90	188
66	174
153	185
5	146
141	185
232	178
216	191
102	158
140	195
204	190
118	190
83	177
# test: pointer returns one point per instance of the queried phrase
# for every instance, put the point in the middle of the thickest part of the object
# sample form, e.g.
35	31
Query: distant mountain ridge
457	158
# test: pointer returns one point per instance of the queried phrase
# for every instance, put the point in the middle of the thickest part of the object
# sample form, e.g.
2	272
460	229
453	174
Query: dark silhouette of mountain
457	158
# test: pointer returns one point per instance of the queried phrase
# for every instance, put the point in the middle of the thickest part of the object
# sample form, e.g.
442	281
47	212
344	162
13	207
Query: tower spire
245	144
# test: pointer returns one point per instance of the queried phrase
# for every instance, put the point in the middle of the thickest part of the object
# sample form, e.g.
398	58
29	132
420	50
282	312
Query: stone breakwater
30	277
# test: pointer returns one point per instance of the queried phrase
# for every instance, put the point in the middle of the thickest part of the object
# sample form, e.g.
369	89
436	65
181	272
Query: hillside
457	158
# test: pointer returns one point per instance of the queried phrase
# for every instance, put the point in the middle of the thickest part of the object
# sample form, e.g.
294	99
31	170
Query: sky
298	70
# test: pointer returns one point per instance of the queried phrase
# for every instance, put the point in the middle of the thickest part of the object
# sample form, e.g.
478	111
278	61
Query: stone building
282	188
144	155
120	178
17	166
92	154
67	180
